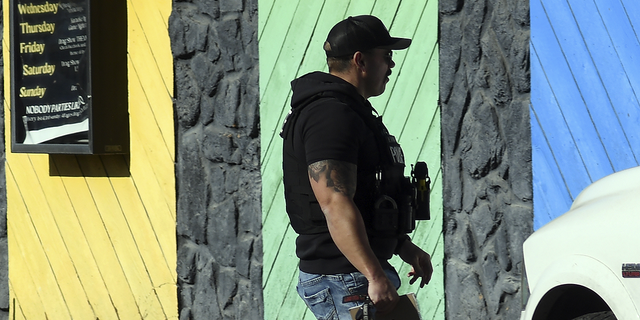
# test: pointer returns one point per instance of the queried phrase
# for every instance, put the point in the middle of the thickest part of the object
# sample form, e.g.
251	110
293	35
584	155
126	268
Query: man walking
343	176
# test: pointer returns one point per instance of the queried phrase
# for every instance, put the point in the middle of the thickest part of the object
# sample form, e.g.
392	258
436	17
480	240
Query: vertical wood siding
585	109
85	240
291	35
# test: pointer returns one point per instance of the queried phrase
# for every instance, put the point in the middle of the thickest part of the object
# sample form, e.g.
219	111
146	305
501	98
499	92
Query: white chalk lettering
69	63
58	107
66	41
71	8
75	53
79	19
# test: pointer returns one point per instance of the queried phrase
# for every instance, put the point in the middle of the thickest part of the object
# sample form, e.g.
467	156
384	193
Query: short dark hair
339	64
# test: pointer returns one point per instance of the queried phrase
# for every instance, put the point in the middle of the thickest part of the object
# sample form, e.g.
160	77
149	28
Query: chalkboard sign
59	52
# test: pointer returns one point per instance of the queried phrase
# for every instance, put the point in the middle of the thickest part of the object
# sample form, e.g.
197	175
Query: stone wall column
486	147
215	49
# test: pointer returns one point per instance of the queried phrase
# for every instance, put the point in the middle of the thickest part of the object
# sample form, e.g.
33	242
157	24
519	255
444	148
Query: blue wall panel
555	191
585	85
555	136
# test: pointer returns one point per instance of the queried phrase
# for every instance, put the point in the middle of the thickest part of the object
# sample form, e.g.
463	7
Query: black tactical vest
302	207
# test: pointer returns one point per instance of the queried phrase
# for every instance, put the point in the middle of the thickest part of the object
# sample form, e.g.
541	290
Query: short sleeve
332	131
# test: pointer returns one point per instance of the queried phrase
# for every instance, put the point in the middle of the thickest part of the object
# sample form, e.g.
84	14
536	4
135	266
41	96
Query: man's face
379	64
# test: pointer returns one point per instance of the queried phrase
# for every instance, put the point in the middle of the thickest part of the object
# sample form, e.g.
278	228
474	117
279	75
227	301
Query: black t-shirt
332	130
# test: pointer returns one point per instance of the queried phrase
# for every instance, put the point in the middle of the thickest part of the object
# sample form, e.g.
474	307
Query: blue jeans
323	293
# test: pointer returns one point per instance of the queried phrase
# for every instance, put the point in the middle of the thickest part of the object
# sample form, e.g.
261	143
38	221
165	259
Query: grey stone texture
215	49
486	148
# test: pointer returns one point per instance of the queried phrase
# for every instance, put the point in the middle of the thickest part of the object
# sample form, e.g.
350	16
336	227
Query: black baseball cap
361	33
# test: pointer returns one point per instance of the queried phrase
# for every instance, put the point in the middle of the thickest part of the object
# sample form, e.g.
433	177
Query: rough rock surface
215	50
486	147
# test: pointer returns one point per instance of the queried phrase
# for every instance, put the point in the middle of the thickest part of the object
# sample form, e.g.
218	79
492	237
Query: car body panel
589	245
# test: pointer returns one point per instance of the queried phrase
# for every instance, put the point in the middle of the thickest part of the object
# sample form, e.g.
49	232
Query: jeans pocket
319	302
356	283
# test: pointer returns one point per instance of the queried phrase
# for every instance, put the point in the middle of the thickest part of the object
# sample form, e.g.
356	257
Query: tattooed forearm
340	175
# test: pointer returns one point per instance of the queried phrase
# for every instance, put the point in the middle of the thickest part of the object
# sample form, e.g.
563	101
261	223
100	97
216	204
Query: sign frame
105	99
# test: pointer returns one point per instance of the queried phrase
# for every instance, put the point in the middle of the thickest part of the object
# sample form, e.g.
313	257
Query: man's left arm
419	260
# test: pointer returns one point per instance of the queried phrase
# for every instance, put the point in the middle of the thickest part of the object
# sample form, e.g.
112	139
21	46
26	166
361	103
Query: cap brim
397	44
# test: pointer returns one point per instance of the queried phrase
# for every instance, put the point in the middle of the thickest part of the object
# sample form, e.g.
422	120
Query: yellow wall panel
97	236
29	269
144	129
85	240
153	17
78	249
38	229
144	23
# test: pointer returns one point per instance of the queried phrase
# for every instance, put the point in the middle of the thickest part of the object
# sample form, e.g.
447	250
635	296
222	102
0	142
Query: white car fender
588	272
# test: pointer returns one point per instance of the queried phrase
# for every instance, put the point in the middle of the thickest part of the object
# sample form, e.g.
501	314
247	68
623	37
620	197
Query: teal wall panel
291	35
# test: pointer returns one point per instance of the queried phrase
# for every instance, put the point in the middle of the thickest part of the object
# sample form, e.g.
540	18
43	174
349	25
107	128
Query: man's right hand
383	294
334	185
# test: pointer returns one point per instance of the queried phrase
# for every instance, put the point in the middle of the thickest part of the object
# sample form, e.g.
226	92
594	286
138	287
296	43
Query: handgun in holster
366	311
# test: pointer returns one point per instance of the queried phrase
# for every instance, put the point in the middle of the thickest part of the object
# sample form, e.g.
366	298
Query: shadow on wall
65	165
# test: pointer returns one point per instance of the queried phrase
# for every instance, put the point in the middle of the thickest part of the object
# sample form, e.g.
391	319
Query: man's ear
358	59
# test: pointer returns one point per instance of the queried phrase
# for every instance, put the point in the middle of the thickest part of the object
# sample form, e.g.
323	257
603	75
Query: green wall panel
291	36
